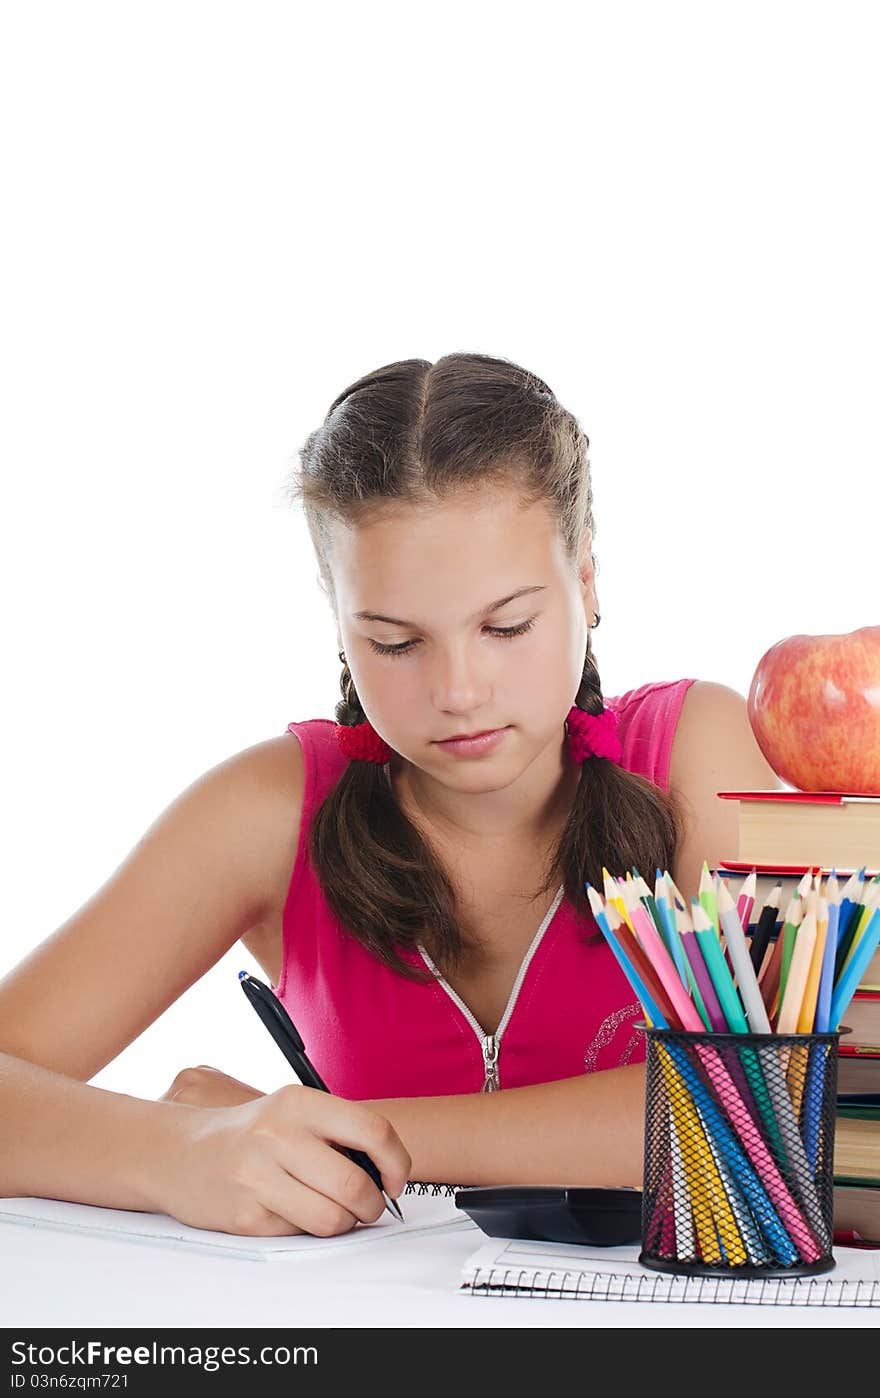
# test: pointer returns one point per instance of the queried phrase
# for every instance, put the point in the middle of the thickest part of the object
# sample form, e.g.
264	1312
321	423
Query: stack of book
788	838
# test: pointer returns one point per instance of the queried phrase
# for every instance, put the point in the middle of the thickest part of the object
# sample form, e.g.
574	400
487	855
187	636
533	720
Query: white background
216	216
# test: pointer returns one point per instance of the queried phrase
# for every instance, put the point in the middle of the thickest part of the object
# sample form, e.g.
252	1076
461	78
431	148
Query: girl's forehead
454	561
496	521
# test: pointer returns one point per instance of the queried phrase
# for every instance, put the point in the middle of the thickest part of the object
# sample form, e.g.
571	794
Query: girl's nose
460	682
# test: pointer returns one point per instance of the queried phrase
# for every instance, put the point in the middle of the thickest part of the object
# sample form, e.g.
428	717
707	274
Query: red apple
814	707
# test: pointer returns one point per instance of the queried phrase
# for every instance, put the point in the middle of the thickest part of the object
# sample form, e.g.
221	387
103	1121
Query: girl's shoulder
322	759
654	697
647	718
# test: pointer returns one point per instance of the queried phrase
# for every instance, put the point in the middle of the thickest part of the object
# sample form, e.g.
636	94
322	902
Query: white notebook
425	1207
566	1271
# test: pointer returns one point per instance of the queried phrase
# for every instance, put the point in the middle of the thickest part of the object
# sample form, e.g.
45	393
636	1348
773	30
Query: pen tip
241	975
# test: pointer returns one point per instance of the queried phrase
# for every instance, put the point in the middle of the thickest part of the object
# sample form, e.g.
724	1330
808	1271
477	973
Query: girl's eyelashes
504	633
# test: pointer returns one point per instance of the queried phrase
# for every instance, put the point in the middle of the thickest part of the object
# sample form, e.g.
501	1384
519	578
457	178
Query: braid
348	710
589	695
618	819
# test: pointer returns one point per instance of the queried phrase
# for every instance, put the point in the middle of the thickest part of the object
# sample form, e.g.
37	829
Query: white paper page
421	1213
615	1273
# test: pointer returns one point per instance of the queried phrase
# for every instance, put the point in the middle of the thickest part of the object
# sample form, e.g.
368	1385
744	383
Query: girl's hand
272	1166
208	1087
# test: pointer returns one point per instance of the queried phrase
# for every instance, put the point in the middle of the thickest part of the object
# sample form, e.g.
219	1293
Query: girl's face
431	657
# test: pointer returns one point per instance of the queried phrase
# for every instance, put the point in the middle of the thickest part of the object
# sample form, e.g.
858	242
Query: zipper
491	1049
491	1043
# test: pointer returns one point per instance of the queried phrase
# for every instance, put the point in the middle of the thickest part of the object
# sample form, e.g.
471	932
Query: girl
410	878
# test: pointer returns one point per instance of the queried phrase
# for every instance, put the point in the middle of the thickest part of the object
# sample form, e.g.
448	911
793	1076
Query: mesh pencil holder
739	1153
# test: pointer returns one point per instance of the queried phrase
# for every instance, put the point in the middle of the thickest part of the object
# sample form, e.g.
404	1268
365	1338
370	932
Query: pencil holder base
707	1269
739	1153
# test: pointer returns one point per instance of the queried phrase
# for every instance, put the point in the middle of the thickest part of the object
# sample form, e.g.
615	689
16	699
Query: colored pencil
826	978
717	967
870	900
613	896
807	1014
746	980
851	903
663	964
708	896
793	916
854	970
649	902
765	926
683	926
713	1015
746	899
793	993
663	903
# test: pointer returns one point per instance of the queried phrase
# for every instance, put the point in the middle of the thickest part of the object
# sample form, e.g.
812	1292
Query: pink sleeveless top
371	1033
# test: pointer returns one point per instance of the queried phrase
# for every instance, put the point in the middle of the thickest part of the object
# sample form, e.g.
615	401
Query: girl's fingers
342	1193
282	1206
344	1123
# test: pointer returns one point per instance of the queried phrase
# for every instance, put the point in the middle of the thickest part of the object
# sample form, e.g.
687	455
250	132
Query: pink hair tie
589	735
360	740
593	735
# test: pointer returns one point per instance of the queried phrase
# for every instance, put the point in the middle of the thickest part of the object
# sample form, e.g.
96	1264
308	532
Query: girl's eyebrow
492	607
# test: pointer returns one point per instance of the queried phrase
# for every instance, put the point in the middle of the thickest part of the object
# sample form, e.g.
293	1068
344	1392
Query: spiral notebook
566	1271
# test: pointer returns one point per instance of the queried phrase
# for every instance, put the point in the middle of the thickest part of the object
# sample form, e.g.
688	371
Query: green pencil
793	918
708	898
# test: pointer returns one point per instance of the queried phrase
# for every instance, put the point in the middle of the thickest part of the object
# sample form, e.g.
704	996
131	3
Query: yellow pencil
701	1173
811	990
613	896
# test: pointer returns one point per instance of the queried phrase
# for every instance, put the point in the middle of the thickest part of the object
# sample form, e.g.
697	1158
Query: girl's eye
505	632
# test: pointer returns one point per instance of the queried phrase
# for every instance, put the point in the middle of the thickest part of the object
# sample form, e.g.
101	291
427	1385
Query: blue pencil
855	969
850	912
826	978
673	941
626	966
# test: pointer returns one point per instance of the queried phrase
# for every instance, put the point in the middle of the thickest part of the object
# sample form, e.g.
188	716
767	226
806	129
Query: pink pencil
665	967
746	898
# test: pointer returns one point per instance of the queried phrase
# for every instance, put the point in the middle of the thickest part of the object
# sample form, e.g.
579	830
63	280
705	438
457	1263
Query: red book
821	798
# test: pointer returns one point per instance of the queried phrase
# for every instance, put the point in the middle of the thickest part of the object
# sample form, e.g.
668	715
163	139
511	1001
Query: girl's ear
586	557
587	575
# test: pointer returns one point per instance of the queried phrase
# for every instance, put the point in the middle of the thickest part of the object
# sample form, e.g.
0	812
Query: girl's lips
473	747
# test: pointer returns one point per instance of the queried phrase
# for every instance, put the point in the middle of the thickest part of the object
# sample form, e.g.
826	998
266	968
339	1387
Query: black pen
286	1036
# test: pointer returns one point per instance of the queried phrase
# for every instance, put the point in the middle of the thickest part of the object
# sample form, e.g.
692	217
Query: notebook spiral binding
423	1187
510	1281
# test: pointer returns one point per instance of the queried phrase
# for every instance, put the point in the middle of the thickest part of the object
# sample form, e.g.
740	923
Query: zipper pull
490	1060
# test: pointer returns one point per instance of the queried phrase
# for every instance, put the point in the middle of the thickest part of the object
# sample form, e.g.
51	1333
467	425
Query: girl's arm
204	873
587	1130
714	749
578	1131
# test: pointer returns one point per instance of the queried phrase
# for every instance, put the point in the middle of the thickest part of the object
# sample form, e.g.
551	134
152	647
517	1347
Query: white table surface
54	1279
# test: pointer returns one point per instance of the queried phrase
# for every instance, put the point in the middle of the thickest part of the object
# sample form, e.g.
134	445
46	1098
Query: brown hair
415	432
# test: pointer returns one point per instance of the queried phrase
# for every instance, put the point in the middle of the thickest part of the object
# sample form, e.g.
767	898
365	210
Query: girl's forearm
587	1130
63	1139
